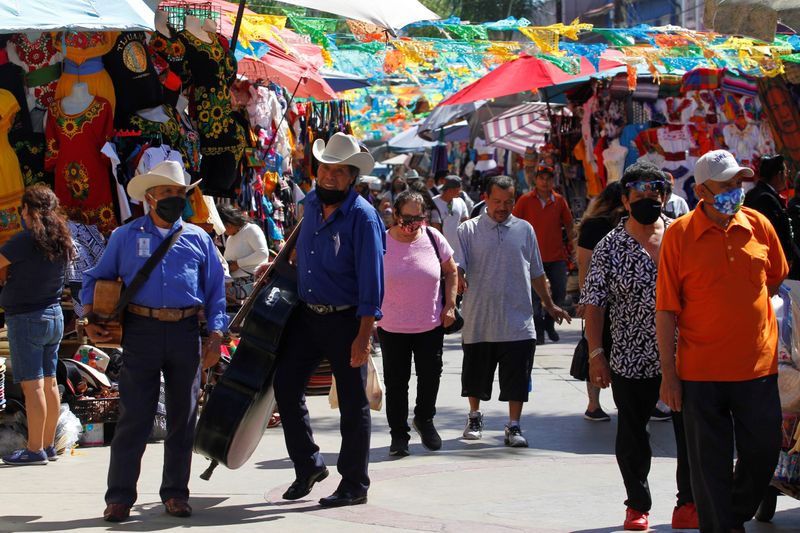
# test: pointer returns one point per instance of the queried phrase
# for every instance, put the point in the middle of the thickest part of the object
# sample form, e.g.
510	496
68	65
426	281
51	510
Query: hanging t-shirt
136	83
452	215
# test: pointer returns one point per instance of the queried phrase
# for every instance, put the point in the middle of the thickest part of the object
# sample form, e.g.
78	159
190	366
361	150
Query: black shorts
480	360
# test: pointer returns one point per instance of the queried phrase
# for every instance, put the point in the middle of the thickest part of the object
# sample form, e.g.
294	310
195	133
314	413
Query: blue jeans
33	340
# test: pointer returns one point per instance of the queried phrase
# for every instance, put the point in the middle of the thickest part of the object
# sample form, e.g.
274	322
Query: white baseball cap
719	165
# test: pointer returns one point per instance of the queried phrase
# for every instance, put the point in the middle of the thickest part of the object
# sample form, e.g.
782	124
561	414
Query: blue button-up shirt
189	275
340	260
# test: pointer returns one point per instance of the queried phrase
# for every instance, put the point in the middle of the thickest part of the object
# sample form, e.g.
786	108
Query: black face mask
171	208
331	196
646	211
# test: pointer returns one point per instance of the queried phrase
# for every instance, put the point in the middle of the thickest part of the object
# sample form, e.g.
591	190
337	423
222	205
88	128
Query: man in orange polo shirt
718	266
549	214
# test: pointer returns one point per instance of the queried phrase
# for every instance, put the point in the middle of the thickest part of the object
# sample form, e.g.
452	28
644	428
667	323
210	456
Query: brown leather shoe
116	512
178	507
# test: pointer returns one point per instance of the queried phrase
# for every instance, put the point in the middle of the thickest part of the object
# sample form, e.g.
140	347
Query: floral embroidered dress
11	187
42	61
82	181
211	70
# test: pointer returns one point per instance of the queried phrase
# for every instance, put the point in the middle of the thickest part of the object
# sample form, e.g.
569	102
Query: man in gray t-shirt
499	260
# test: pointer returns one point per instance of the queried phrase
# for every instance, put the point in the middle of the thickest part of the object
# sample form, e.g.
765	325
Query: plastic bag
372	388
67	430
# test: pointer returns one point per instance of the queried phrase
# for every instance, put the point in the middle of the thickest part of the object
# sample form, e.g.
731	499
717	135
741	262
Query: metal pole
237	24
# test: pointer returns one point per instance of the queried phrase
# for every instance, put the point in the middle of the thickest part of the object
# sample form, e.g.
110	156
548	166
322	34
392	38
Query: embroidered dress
11	187
82	182
211	70
42	62
174	132
84	63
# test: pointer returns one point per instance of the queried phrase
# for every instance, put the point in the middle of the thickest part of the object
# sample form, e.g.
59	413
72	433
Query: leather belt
165	314
327	309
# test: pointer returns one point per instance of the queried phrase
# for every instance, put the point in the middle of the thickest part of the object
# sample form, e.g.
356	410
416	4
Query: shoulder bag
579	369
456	326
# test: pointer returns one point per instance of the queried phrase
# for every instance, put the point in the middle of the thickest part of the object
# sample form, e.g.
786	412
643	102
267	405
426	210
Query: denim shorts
33	340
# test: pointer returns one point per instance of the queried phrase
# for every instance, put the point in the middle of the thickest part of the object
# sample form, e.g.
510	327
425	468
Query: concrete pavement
567	481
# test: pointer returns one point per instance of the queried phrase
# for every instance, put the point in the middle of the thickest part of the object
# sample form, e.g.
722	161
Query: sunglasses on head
658	186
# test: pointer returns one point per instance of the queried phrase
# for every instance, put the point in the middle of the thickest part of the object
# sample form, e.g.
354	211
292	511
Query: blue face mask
729	202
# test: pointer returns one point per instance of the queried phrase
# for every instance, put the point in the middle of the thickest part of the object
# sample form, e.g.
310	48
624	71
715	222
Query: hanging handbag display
456	326
579	369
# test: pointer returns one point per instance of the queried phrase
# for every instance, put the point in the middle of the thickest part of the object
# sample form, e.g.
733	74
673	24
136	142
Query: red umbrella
526	73
287	74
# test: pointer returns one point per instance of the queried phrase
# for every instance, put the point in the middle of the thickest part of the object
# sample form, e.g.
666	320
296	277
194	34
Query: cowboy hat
343	149
94	377
166	173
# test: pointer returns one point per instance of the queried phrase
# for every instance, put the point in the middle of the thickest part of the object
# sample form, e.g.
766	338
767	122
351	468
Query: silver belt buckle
320	309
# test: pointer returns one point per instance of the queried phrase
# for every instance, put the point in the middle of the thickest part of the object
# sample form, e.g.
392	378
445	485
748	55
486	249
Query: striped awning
519	127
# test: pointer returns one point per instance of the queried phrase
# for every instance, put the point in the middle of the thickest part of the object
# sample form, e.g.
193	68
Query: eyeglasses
658	186
407	219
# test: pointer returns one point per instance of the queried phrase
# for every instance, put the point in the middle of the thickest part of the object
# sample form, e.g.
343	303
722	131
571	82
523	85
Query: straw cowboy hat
343	149
166	173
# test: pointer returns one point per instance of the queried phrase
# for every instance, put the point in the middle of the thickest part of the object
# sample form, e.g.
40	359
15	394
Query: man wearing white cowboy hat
161	334
340	281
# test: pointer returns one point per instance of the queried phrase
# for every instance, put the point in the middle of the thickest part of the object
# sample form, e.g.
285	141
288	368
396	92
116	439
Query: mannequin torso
77	100
192	25
210	26
162	17
614	161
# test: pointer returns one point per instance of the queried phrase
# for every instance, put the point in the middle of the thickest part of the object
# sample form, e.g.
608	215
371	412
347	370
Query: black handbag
579	369
456	326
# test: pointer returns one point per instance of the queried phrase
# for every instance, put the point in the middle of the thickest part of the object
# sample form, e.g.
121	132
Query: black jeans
308	338
556	273
397	350
717	414
635	399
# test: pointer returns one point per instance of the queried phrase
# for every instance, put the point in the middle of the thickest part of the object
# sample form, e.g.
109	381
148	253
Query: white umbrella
396	160
87	15
389	14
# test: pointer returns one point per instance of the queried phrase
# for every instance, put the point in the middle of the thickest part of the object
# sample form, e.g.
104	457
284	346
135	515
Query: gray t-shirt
499	261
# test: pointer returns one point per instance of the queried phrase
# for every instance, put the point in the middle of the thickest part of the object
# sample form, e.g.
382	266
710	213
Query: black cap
451	182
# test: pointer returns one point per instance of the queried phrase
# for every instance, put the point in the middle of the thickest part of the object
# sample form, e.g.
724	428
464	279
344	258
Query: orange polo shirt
547	221
716	281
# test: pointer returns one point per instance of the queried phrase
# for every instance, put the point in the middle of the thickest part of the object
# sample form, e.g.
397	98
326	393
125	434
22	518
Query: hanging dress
84	63
82	180
211	70
42	62
11	187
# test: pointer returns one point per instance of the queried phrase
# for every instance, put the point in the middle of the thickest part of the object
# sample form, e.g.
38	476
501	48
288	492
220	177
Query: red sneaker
685	517
635	521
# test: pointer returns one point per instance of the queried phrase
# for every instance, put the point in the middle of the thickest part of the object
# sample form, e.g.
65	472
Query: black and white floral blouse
622	277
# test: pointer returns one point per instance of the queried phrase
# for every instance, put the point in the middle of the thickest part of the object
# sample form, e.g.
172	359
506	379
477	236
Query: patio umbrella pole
237	24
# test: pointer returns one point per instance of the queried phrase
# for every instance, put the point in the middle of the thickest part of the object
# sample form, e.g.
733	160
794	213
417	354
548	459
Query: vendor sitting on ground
245	249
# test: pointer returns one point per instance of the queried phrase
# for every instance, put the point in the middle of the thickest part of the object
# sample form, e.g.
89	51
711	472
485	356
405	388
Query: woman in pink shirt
415	309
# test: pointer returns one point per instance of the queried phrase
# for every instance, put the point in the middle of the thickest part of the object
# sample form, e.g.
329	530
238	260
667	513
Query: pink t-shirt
412	301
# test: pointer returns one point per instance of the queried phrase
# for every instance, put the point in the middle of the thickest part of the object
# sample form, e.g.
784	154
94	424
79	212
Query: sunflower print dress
82	179
211	70
11	187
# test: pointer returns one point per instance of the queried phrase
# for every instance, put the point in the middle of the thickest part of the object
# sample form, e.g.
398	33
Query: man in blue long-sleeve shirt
340	282
161	335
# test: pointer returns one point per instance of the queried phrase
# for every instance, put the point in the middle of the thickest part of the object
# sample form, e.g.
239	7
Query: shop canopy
287	74
389	14
520	127
526	73
78	15
408	141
